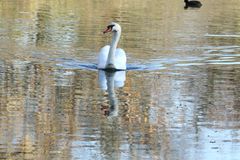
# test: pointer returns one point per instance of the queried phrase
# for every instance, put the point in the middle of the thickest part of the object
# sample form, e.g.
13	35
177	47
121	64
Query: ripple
227	49
219	62
77	64
189	64
223	35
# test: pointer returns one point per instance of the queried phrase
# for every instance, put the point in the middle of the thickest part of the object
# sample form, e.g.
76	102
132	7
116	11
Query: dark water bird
193	4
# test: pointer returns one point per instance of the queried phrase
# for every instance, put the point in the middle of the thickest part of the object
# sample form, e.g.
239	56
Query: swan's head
112	27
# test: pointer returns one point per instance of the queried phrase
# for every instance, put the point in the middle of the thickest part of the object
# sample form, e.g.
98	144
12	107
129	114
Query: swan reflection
108	81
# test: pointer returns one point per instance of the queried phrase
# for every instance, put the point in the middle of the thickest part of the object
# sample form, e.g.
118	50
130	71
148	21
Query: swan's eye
110	27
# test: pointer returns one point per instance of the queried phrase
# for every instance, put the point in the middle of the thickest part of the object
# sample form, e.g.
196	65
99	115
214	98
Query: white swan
110	57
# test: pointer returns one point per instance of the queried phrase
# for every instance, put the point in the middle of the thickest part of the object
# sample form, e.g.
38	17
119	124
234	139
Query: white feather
120	58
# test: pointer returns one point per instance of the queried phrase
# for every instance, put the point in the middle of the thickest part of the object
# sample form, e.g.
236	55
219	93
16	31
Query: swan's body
194	4
110	57
119	62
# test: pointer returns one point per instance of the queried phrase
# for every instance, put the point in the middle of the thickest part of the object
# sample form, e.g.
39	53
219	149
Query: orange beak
109	29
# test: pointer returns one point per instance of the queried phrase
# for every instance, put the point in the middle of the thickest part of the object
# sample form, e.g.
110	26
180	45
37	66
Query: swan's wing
102	56
120	58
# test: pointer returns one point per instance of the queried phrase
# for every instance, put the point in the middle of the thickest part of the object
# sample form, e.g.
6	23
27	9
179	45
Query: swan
110	57
195	4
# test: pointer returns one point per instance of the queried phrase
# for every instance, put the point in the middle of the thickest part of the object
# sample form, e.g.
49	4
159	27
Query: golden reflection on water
187	108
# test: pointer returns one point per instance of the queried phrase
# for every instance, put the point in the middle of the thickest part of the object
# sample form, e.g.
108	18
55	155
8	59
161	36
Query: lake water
179	99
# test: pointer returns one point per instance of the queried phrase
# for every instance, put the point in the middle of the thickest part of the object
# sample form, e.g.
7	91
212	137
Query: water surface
179	98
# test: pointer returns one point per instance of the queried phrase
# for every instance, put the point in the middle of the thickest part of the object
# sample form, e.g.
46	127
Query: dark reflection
109	81
43	23
222	95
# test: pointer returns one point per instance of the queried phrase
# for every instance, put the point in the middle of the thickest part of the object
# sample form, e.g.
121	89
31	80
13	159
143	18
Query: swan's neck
113	46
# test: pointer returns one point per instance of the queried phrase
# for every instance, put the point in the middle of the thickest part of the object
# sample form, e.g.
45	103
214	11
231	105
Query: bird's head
112	27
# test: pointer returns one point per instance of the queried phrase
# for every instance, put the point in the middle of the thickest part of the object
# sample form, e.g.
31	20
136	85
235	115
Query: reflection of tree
223	94
36	117
56	106
110	140
48	110
43	18
143	132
